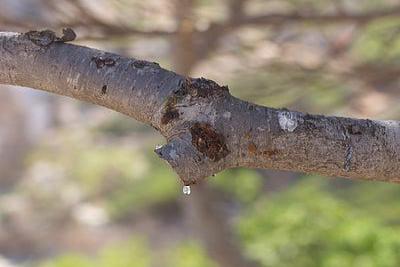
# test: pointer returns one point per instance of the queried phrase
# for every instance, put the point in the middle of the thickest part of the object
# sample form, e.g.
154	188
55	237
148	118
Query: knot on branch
47	37
186	161
191	90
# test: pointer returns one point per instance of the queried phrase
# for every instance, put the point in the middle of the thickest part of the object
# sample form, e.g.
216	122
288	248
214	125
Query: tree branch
341	17
207	129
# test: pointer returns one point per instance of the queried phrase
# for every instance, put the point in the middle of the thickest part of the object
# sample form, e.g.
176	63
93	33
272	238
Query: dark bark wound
208	141
47	37
41	38
68	35
101	61
140	64
171	112
104	90
203	88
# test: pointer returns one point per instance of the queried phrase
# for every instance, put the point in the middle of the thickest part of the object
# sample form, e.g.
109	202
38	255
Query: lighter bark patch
173	154
227	115
287	121
74	81
348	157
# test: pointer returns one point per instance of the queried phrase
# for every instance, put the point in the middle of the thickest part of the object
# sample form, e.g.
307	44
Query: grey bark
207	129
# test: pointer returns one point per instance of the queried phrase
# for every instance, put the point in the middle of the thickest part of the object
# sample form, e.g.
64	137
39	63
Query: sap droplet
186	190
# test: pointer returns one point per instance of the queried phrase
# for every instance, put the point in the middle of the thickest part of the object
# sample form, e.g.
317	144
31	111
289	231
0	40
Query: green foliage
136	253
124	178
307	227
189	255
379	42
132	253
370	197
242	184
69	260
158	185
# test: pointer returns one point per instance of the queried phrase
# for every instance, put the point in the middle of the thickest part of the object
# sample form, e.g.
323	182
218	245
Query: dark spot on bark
252	148
68	35
140	64
104	90
270	153
208	141
171	112
250	107
169	115
158	152
202	88
354	129
47	37
189	182
103	61
41	38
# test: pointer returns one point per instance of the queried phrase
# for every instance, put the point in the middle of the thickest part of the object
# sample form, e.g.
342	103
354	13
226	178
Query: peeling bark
207	129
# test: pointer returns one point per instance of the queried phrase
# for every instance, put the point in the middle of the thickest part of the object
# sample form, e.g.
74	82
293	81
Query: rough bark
207	129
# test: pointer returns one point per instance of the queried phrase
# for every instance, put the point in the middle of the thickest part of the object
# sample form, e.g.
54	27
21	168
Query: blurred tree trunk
202	216
13	139
183	45
208	221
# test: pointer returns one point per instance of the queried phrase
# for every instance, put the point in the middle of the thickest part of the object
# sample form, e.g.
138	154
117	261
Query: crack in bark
348	157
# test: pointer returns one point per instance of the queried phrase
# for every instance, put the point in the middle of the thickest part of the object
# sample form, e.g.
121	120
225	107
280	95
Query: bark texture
207	129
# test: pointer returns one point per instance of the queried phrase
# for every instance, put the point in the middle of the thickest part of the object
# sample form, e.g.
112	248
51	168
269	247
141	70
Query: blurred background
80	185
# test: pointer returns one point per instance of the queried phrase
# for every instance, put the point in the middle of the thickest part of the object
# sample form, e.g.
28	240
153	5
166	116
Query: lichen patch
287	121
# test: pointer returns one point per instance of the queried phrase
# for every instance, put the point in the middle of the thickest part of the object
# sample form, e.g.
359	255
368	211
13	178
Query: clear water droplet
186	190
